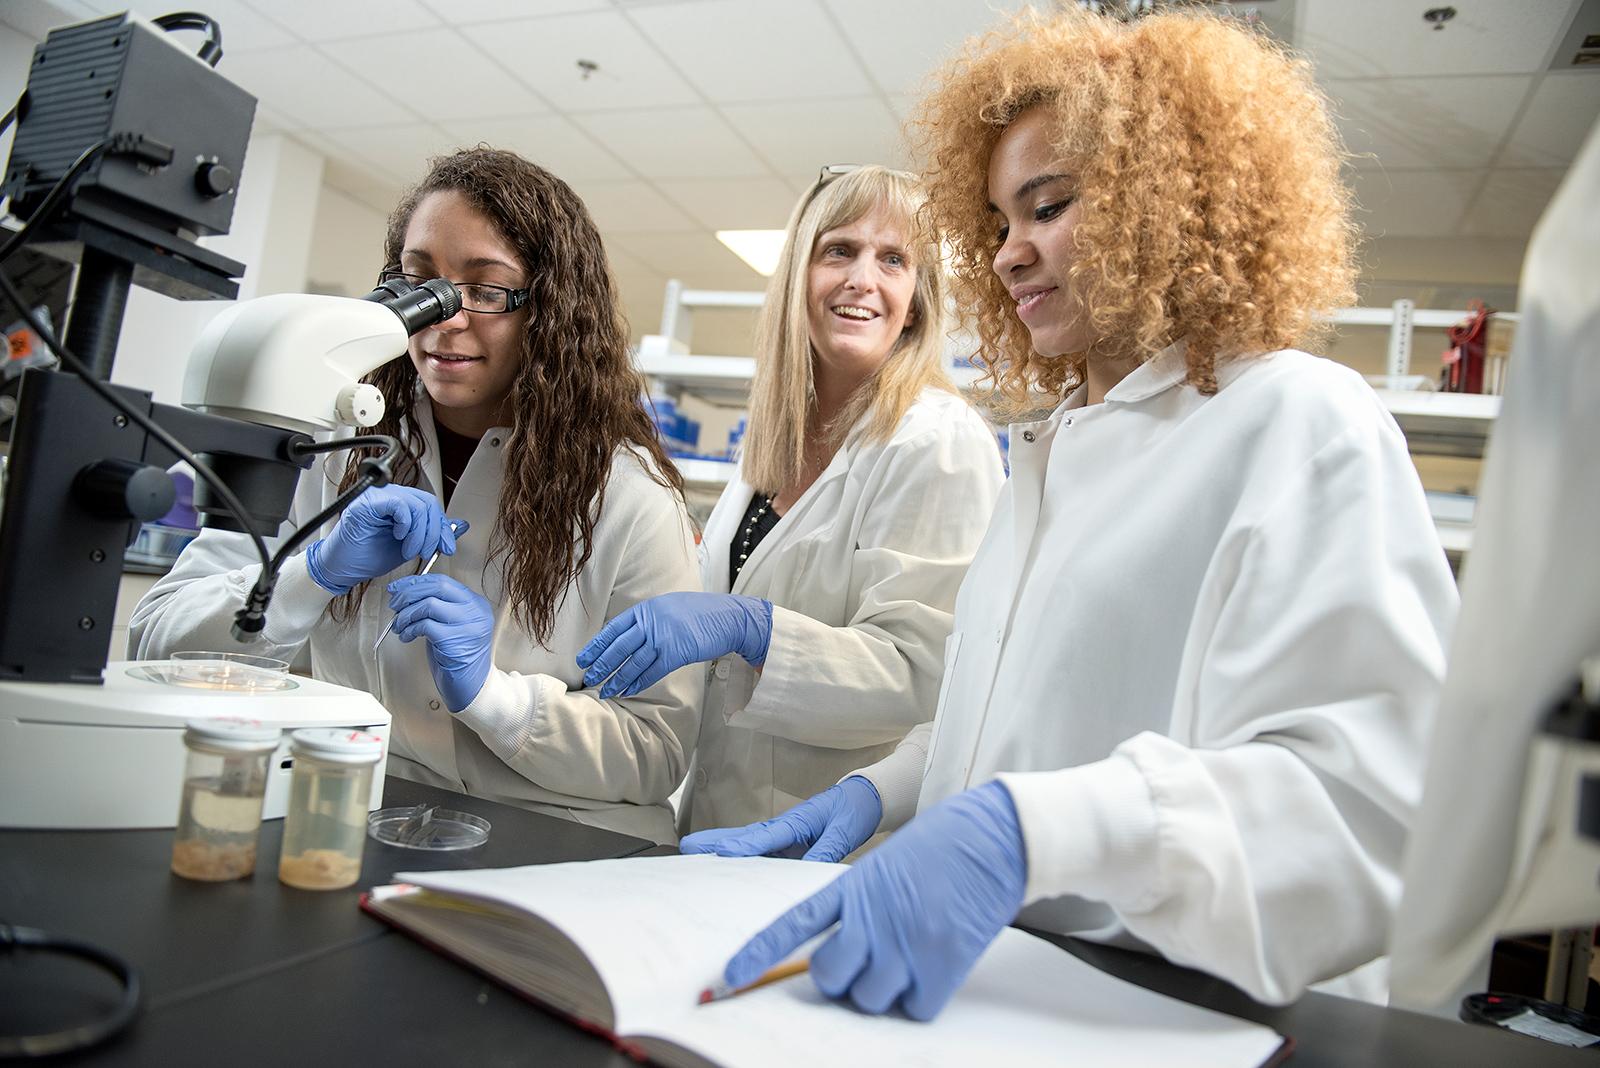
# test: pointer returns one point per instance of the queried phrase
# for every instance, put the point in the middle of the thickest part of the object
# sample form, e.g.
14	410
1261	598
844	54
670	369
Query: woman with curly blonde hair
1194	661
521	414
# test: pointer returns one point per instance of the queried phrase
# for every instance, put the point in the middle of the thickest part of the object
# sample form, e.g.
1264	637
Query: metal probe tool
427	567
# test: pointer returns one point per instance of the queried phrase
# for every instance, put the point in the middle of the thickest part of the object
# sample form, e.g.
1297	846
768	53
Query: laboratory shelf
1455	537
1447	424
700	472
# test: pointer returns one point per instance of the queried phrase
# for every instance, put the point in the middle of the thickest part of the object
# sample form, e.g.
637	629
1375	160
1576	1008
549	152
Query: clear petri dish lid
441	830
233	672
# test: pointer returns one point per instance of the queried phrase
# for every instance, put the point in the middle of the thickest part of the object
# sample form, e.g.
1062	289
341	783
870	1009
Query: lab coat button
700	777
1028	436
434	705
722	669
494	442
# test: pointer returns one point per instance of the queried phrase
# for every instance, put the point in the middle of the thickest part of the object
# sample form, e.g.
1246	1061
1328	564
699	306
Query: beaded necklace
750	528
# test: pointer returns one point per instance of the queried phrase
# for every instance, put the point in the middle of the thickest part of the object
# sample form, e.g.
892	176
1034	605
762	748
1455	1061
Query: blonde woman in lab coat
531	378
831	561
1195	661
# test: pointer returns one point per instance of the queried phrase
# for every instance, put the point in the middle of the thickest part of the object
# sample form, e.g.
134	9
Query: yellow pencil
783	971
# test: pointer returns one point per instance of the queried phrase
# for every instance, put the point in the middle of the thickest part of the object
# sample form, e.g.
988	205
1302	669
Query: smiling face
468	362
859	289
1035	214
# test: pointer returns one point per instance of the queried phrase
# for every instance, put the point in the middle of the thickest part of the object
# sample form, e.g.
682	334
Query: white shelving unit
1448	424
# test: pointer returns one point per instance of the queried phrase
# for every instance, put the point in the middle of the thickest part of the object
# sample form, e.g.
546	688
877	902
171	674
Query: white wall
346	245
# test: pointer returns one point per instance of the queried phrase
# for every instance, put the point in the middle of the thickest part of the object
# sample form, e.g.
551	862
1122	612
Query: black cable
5	120
211	51
145	423
30	939
249	619
48	204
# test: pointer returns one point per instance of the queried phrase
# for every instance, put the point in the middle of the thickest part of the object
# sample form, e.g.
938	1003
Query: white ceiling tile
1382	38
545	52
243	28
36	18
311	90
734	204
738	50
401	152
1441	260
799	137
463	83
453	11
696	259
1413	203
1560	115
632	206
1511	202
675	143
1427	122
551	141
320	20
902	41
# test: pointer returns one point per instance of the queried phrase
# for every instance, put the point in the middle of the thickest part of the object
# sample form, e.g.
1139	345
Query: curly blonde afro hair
1207	166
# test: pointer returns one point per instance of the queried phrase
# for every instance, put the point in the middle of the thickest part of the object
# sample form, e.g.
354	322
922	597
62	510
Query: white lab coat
533	737
1202	644
862	572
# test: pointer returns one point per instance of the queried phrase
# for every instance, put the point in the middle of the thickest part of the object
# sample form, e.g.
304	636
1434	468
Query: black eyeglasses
476	297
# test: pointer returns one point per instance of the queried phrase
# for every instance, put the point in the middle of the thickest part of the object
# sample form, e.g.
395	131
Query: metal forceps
377	671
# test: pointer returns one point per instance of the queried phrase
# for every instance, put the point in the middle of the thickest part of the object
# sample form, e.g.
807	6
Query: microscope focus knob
213	179
124	489
358	404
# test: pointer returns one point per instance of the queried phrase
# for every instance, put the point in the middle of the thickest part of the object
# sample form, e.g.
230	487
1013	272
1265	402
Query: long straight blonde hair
783	395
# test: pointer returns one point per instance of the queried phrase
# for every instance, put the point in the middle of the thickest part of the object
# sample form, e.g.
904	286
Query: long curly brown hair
576	398
1207	165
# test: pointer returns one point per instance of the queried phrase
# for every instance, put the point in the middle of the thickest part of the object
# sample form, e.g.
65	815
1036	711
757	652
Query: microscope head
296	360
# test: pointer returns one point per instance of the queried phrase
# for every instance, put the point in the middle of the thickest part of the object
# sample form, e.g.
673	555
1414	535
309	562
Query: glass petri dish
444	831
234	672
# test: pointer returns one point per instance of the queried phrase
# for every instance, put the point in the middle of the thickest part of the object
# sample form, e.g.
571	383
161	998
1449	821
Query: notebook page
1026	1002
658	930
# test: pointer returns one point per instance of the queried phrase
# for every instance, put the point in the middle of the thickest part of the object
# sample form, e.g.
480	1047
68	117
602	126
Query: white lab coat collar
1161	372
423	413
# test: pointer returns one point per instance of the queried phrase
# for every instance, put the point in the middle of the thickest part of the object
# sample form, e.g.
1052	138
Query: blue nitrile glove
656	637
832	824
381	529
459	627
914	915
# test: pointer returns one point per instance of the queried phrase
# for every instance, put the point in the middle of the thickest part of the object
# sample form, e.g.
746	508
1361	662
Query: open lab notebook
626	947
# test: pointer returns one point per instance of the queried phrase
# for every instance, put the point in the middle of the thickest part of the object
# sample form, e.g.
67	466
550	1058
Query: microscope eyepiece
421	306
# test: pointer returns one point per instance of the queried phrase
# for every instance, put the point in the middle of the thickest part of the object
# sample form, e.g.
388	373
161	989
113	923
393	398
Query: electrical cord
250	618
211	51
145	423
373	472
47	206
145	149
29	939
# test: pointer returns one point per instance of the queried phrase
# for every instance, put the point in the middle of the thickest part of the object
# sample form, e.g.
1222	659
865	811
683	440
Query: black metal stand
99	298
